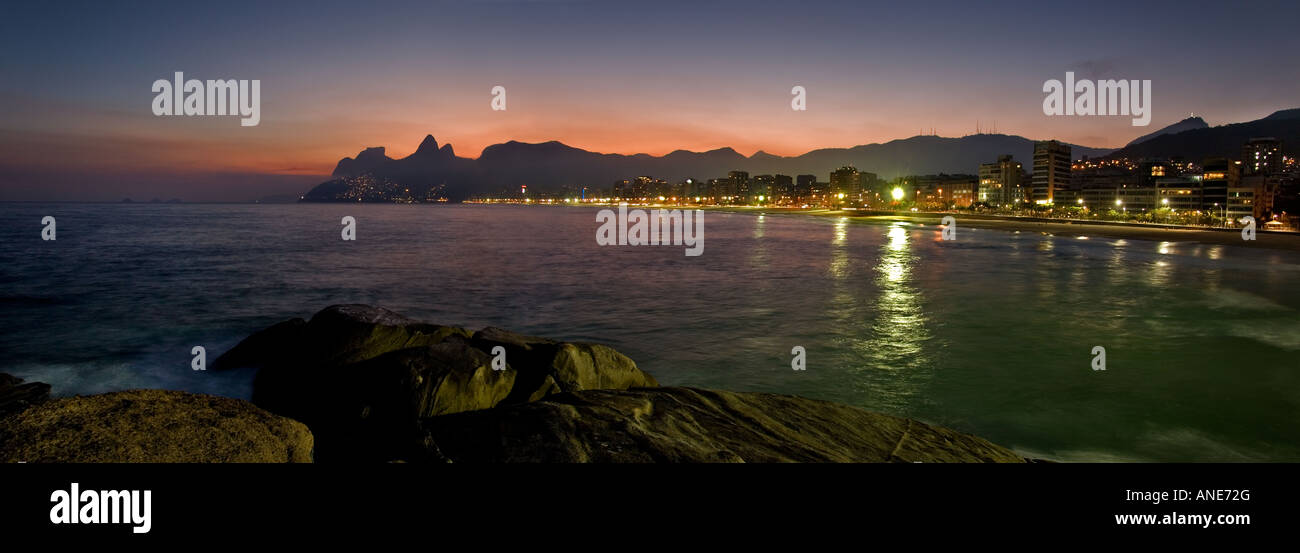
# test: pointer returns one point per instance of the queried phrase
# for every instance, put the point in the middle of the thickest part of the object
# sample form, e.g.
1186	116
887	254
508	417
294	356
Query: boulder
152	426
572	366
694	425
270	346
336	335
369	410
15	396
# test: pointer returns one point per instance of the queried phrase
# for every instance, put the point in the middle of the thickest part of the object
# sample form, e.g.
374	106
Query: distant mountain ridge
1220	141
1188	124
549	166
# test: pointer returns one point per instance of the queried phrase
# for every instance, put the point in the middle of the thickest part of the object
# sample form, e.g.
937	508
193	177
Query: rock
343	334
580	366
694	425
152	426
270	346
369	411
572	366
16	396
336	335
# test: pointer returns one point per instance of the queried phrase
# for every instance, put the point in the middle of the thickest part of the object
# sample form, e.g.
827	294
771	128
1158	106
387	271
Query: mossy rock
152	426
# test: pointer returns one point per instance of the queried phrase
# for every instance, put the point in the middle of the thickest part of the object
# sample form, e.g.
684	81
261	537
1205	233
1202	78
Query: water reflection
758	252
897	361
839	267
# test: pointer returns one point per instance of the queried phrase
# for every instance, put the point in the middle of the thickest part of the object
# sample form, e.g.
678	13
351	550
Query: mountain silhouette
553	166
1185	125
1220	141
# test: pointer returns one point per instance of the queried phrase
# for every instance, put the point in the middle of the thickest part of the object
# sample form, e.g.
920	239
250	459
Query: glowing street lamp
897	193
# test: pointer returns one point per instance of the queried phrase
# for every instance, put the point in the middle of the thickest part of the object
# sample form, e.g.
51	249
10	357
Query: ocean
992	333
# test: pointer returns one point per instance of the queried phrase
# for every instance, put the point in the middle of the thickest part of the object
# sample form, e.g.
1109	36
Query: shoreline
1273	240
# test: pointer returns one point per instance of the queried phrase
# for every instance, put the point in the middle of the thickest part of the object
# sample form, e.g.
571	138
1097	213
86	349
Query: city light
897	194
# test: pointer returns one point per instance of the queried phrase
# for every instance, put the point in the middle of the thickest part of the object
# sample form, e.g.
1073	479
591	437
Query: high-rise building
1051	180
803	186
762	185
738	187
844	181
782	189
1261	156
1000	182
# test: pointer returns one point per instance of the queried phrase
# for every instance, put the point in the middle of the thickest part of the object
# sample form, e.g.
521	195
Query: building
1051	179
1218	175
1245	199
1179	193
943	191
738	187
803	187
1000	183
844	189
782	190
1261	156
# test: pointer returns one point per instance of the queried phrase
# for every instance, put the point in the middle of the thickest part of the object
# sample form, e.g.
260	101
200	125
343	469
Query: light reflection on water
897	337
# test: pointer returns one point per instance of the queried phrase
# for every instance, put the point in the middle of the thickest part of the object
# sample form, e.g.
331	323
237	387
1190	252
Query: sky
618	77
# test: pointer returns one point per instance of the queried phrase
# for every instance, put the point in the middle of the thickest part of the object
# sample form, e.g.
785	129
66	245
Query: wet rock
15	396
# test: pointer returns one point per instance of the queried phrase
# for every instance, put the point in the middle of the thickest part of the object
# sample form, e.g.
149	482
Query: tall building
803	185
738	186
782	189
1051	180
1000	182
762	185
1261	156
845	181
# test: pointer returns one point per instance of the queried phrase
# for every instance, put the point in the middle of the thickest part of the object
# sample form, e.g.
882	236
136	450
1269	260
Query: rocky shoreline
357	383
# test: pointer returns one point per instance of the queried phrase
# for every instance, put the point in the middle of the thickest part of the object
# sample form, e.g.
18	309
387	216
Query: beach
1277	240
